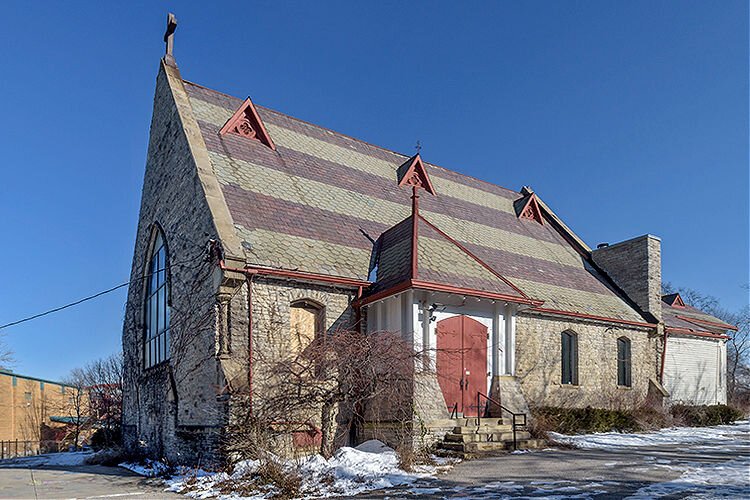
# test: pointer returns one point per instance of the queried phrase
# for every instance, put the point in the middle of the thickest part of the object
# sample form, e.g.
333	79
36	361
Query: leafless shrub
303	397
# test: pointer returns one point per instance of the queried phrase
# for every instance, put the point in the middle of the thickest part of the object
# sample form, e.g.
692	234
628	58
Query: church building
252	220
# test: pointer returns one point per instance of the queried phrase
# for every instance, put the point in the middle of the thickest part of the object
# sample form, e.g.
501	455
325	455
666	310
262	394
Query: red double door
461	362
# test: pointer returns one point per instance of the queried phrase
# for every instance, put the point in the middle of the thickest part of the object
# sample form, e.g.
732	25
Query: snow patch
350	471
62	459
374	446
723	480
149	468
721	435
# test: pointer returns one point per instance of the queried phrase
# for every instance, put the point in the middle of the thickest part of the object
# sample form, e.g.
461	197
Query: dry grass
409	458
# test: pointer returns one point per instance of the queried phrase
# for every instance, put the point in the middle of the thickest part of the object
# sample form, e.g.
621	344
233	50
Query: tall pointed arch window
157	345
569	341
623	362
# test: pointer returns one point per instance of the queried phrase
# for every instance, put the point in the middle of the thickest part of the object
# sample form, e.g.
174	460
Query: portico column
425	335
498	359
497	350
510	341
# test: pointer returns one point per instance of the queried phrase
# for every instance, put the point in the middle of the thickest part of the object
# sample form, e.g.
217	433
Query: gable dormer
674	300
246	122
414	174
528	208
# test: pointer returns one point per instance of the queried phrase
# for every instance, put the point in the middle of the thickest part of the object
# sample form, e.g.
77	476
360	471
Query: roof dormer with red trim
246	122
674	300
528	208
414	174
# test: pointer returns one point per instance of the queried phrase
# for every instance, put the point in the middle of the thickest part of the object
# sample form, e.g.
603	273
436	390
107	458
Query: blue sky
626	117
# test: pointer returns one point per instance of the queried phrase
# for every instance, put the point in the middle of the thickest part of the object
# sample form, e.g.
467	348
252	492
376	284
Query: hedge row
588	420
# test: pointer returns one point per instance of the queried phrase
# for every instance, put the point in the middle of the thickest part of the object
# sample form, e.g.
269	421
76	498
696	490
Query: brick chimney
635	266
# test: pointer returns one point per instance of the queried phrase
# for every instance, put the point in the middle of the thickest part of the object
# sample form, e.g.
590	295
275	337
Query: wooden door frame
463	405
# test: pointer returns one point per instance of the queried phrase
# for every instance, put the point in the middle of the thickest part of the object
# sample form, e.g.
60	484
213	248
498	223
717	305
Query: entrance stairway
490	436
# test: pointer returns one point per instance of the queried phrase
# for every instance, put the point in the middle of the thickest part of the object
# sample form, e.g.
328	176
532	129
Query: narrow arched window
569	341
307	320
156	349
623	362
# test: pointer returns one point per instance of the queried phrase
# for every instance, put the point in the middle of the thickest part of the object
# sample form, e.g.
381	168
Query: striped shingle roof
317	202
688	318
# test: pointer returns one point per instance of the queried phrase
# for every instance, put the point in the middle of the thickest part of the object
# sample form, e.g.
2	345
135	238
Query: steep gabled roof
439	260
317	201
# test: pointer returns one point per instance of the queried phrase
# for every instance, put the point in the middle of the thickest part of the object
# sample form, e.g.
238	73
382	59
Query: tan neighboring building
26	407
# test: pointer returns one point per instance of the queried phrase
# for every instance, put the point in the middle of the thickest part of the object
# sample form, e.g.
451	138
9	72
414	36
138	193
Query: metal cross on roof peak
169	33
418	147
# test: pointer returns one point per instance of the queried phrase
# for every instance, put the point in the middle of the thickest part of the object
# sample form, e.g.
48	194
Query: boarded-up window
623	362
569	342
306	321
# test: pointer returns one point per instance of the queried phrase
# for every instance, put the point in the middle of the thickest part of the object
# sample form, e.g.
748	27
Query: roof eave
440	287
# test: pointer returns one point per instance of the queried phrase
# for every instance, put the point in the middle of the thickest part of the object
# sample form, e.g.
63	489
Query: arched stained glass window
157	308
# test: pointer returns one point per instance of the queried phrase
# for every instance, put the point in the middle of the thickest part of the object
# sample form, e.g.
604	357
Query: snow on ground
350	471
70	458
729	479
698	479
720	435
684	452
149	468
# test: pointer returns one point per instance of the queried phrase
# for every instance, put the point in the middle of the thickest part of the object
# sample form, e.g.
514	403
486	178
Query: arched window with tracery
307	322
569	354
157	345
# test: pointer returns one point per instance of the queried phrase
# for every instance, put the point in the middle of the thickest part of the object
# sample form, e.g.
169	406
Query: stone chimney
635	266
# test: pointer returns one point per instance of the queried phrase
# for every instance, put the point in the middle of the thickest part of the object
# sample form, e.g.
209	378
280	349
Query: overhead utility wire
45	313
80	301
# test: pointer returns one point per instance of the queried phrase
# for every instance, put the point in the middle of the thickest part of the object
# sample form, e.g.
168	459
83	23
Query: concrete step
484	429
476	449
485	437
469	421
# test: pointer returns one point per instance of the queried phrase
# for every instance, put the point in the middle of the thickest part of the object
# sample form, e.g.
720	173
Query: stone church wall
171	410
538	363
272	328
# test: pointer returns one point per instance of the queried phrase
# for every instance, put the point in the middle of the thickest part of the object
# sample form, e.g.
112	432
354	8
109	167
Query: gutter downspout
250	339
663	357
357	309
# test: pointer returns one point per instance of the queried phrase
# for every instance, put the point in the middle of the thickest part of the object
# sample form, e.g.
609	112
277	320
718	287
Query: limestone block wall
635	265
272	315
171	410
538	363
272	337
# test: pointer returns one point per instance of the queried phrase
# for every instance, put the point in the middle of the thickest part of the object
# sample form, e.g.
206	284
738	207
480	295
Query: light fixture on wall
433	308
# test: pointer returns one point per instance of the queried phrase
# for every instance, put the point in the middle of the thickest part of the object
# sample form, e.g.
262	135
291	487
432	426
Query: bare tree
365	375
74	406
93	400
6	354
101	380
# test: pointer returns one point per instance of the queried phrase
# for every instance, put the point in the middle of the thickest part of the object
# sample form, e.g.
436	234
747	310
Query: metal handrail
454	410
513	415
